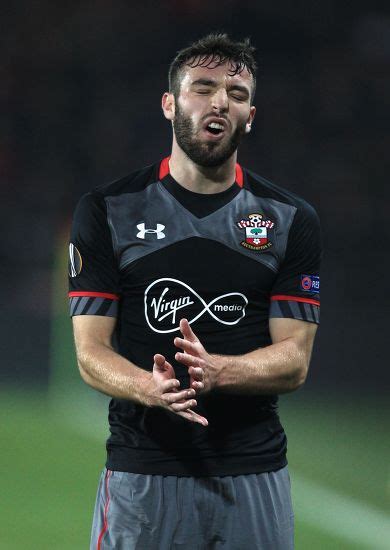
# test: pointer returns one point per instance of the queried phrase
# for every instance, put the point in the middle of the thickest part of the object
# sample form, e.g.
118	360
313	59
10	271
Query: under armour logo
143	230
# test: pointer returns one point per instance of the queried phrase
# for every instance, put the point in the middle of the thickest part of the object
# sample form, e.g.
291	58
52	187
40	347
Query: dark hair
210	51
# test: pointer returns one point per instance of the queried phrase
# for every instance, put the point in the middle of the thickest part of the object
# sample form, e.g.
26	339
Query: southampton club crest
256	232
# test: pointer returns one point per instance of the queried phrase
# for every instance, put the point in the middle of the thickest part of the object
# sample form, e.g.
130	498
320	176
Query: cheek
192	109
241	117
195	104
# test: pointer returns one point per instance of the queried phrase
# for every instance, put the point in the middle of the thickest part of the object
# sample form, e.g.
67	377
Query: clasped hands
202	368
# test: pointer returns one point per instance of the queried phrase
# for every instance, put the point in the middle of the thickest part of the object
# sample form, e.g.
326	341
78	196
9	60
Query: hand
167	394
202	367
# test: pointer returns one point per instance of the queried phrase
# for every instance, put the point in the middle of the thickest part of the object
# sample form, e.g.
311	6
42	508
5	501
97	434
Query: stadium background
80	87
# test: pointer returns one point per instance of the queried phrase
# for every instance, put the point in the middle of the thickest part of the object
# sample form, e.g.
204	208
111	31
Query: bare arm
105	370
279	368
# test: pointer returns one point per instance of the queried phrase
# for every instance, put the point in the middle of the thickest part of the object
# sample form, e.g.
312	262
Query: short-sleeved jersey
149	252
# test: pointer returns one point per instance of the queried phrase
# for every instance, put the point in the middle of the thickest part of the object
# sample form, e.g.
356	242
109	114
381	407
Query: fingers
197	377
173	397
196	373
187	331
189	360
179	403
186	405
186	345
194	417
170	385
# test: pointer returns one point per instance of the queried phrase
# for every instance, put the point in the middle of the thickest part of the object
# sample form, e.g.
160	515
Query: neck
200	179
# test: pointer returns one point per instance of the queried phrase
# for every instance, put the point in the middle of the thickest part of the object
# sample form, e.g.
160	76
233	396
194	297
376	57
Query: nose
220	101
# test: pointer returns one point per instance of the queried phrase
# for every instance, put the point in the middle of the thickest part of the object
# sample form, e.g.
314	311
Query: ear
248	125
168	105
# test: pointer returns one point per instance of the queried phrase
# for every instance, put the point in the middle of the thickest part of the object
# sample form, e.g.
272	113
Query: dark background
80	89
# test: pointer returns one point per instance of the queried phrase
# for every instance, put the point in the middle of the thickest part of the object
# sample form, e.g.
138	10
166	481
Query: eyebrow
213	84
204	82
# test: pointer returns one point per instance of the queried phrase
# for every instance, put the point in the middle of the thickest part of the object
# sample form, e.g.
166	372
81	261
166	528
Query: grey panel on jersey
155	205
154	512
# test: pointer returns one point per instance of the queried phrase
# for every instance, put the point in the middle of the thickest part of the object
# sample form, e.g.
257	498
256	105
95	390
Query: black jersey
149	252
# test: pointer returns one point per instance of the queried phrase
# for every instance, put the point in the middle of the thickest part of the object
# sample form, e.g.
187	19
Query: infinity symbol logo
164	298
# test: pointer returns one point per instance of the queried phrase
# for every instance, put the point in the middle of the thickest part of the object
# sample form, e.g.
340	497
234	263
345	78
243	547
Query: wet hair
210	51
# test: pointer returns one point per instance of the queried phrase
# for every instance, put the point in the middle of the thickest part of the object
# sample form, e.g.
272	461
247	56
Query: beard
206	154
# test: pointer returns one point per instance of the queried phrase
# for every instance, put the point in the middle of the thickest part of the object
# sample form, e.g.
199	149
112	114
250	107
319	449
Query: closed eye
203	91
238	97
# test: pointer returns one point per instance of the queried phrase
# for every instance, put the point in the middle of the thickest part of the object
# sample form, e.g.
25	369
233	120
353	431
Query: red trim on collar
239	175
164	168
164	171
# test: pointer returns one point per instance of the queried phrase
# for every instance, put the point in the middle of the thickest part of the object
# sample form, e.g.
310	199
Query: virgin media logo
169	300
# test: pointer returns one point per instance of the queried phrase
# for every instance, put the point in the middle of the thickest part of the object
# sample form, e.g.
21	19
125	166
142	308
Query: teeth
216	126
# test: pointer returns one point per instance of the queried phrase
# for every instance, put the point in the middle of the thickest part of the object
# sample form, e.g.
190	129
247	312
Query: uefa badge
256	232
75	263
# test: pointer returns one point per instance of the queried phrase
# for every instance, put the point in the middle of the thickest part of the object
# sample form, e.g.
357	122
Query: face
212	113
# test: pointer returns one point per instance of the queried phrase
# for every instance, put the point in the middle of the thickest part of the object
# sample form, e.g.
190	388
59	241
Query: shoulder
133	182
137	180
264	188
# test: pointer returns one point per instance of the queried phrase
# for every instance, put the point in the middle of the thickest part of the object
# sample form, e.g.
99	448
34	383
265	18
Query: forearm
107	371
278	368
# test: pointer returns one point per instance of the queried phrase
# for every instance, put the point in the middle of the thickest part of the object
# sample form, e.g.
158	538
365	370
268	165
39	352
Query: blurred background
80	89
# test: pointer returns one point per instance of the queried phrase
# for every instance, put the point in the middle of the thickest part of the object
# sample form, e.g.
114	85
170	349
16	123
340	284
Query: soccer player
194	291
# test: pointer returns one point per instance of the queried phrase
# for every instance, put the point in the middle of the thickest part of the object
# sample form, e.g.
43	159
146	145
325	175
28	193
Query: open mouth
215	128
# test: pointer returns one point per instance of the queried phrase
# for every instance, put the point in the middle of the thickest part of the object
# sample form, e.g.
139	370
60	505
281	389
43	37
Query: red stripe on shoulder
93	294
239	175
295	299
164	168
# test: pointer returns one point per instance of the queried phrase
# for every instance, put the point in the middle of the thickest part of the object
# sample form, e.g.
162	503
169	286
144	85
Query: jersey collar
164	171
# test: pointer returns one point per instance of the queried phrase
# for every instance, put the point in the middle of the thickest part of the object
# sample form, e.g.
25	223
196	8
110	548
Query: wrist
145	390
221	370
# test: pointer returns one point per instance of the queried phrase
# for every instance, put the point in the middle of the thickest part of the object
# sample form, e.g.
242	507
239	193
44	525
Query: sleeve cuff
93	303
295	307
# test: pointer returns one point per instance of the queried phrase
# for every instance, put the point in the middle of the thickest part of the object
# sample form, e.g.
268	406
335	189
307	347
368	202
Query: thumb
159	362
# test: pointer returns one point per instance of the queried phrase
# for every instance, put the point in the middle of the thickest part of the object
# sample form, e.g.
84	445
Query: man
207	276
